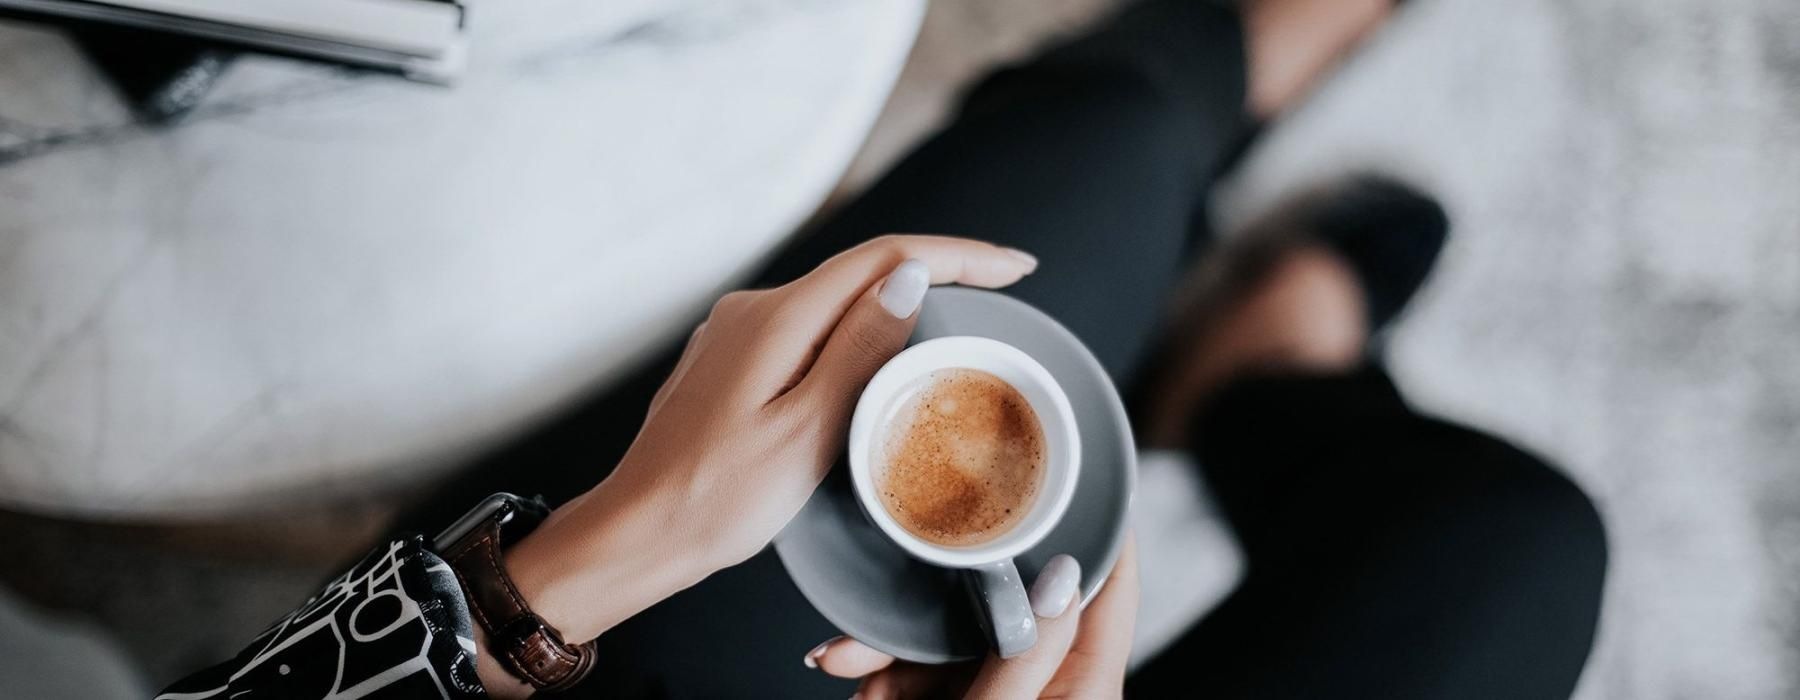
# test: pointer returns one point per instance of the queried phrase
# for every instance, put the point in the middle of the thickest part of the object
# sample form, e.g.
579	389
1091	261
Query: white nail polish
812	657
1055	587
1027	258
904	288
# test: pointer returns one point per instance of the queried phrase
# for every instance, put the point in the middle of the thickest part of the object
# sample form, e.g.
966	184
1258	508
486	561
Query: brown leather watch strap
523	642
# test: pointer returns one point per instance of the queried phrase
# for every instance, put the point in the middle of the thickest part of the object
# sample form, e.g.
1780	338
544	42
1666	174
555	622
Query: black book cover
162	76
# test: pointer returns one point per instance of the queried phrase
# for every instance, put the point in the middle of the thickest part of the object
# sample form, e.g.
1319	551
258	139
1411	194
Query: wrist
603	557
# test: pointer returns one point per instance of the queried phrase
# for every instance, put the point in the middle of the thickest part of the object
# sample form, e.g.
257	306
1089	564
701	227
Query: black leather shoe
1388	232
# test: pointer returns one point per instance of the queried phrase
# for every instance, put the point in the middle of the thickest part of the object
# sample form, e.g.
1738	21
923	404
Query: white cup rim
1041	391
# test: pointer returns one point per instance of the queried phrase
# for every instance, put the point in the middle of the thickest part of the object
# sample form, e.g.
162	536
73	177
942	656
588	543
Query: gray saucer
873	591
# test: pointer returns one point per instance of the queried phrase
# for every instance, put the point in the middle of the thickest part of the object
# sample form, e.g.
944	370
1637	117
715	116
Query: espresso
962	460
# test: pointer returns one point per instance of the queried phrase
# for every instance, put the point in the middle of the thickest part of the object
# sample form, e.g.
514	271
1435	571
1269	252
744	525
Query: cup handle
1003	609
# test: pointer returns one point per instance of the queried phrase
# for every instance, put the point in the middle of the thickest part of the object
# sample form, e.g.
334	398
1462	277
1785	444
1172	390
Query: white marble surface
324	281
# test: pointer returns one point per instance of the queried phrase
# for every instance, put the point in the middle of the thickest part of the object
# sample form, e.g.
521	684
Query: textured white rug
1622	291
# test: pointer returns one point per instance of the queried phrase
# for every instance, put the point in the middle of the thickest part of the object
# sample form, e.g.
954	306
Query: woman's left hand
1079	653
749	423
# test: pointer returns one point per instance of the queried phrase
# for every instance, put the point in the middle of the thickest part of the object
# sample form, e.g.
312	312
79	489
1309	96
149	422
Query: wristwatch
526	645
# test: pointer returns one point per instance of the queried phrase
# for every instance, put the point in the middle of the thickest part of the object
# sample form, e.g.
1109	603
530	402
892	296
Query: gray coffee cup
992	578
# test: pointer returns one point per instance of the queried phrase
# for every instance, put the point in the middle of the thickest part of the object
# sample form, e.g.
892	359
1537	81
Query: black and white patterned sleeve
394	626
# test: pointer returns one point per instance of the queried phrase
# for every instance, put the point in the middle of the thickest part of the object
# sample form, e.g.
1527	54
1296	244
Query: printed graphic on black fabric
362	636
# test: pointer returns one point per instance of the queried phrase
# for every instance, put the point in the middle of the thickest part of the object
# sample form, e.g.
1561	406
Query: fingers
812	306
869	334
951	261
882	677
1114	611
1054	598
1101	652
906	681
847	658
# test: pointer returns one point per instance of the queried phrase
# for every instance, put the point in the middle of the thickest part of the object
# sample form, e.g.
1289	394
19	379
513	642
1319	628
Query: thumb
869	334
1055	599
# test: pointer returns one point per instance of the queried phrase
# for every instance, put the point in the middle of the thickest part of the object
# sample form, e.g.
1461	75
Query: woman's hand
1077	655
746	427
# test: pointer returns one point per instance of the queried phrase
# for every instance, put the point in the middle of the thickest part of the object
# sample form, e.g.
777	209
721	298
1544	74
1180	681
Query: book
421	39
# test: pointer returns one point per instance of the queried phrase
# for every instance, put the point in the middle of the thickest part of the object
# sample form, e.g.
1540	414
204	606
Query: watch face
505	505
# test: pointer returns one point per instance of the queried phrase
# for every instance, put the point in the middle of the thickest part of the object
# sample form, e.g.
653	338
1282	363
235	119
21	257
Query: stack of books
422	39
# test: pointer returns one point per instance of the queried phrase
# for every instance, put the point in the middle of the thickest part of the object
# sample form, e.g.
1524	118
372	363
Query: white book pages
415	27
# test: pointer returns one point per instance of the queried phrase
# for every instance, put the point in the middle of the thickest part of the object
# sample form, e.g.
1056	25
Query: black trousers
1389	554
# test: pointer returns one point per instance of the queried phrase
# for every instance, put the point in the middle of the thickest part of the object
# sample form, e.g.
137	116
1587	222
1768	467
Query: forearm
606	556
596	561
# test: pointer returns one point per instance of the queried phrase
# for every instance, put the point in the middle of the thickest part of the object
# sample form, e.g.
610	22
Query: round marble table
323	282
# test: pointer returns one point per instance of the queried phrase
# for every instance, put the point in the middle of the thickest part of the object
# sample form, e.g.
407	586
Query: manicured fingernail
1055	586
812	657
905	288
1024	257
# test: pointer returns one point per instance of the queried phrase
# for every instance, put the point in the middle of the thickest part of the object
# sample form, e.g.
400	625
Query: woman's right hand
1077	655
749	423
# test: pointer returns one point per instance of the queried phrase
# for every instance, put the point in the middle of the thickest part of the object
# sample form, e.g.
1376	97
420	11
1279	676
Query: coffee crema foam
962	460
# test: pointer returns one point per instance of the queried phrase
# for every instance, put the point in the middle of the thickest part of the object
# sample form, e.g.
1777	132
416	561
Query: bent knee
1551	515
1523	531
